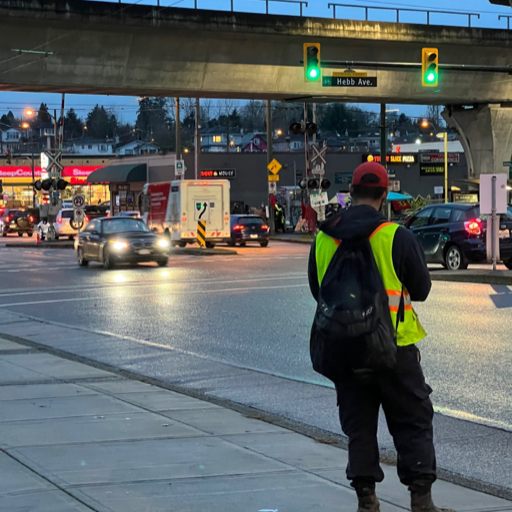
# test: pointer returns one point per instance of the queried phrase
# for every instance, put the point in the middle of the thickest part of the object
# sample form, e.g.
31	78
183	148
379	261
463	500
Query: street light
26	127
441	135
279	133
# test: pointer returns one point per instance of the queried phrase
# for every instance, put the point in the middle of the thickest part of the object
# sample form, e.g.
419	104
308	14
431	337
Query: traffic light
46	184
303	184
8	157
312	71
302	127
430	67
325	184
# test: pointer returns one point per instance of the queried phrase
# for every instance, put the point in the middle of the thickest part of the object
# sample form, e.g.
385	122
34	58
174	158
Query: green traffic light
313	73
431	77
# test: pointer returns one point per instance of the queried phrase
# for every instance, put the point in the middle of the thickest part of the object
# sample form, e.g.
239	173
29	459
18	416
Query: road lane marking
68	289
190	292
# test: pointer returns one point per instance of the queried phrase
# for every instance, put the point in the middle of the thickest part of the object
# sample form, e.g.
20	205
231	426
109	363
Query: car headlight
118	245
163	243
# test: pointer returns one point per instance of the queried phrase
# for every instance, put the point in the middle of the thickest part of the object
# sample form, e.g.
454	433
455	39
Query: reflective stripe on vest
410	330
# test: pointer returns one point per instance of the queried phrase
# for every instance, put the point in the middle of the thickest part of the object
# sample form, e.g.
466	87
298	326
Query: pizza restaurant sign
394	158
76	175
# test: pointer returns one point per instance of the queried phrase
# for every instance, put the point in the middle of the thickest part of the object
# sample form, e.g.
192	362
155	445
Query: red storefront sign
75	174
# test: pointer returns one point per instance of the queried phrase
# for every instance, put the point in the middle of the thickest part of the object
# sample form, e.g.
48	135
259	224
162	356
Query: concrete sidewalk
77	438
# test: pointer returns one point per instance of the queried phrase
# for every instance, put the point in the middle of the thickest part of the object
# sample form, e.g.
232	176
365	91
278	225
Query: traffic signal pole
270	157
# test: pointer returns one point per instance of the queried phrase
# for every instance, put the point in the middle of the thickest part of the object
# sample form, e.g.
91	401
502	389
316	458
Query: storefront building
17	182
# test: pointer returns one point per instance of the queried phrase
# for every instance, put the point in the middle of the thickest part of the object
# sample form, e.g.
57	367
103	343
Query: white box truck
173	208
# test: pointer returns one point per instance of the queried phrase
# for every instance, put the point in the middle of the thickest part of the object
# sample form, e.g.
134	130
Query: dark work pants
404	397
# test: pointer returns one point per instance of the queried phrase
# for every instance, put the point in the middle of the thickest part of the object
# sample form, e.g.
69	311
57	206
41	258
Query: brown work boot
367	498
422	502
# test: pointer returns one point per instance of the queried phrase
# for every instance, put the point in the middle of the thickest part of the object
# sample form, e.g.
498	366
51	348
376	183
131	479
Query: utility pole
178	128
197	138
383	137
270	157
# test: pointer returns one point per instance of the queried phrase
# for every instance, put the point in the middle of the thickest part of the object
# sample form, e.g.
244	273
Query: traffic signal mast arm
414	65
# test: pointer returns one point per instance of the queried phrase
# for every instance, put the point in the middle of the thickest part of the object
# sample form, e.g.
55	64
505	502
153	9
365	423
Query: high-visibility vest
410	330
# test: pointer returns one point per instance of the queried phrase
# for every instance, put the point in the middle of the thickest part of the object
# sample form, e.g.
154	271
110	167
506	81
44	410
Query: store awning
119	174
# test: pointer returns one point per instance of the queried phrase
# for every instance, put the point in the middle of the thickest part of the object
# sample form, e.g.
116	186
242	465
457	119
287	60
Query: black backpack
352	329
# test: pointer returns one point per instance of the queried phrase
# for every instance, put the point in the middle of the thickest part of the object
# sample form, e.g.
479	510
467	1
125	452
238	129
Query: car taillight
59	220
238	227
7	219
31	219
265	227
86	219
473	227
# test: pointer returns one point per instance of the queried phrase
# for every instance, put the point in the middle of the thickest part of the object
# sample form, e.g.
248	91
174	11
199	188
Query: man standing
402	392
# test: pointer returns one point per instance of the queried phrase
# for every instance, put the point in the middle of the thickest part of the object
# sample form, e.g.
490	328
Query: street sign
273	177
340	81
274	167
201	234
350	73
438	190
319	169
78	201
507	164
272	187
78	215
317	200
180	168
202	211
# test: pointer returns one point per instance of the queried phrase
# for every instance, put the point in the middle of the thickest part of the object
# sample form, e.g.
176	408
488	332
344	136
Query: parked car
95	211
114	240
248	228
451	234
134	214
16	221
64	225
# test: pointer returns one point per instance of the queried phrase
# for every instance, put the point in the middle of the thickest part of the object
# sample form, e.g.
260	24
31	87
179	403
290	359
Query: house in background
87	146
10	139
254	143
214	140
136	147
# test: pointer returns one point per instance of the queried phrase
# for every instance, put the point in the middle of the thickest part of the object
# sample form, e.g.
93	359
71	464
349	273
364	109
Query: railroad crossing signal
319	154
312	70
430	67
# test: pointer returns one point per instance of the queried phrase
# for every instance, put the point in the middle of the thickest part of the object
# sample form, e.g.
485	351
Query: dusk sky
126	107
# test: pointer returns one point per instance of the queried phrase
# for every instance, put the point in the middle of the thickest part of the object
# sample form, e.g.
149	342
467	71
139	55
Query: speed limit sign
78	201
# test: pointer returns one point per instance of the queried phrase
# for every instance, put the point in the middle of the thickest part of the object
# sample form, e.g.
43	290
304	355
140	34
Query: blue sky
126	107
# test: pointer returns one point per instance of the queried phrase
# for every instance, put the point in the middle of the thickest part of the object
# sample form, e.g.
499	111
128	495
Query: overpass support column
485	132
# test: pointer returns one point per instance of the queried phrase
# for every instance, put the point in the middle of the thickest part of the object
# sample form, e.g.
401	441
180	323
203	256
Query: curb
491	278
196	251
292	240
318	434
44	245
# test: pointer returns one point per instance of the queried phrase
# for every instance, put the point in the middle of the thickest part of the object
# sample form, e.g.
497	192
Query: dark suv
451	234
16	221
248	228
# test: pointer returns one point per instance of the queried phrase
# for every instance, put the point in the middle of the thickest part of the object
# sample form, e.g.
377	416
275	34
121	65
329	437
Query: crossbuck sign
319	154
54	166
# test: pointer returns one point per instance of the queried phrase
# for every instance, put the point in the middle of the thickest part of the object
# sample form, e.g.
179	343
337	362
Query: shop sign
400	158
431	170
438	158
75	174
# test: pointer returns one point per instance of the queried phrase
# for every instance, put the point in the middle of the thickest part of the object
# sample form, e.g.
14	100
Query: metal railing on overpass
398	10
301	3
428	14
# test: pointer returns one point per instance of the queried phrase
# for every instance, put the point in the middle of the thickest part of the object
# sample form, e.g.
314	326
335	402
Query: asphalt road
254	310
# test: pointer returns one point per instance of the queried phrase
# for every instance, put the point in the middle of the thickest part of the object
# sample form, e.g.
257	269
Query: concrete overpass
122	49
112	48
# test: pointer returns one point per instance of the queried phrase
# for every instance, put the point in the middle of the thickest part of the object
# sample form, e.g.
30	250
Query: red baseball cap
371	168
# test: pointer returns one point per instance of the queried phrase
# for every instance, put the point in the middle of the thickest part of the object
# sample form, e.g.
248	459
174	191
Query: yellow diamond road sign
274	167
